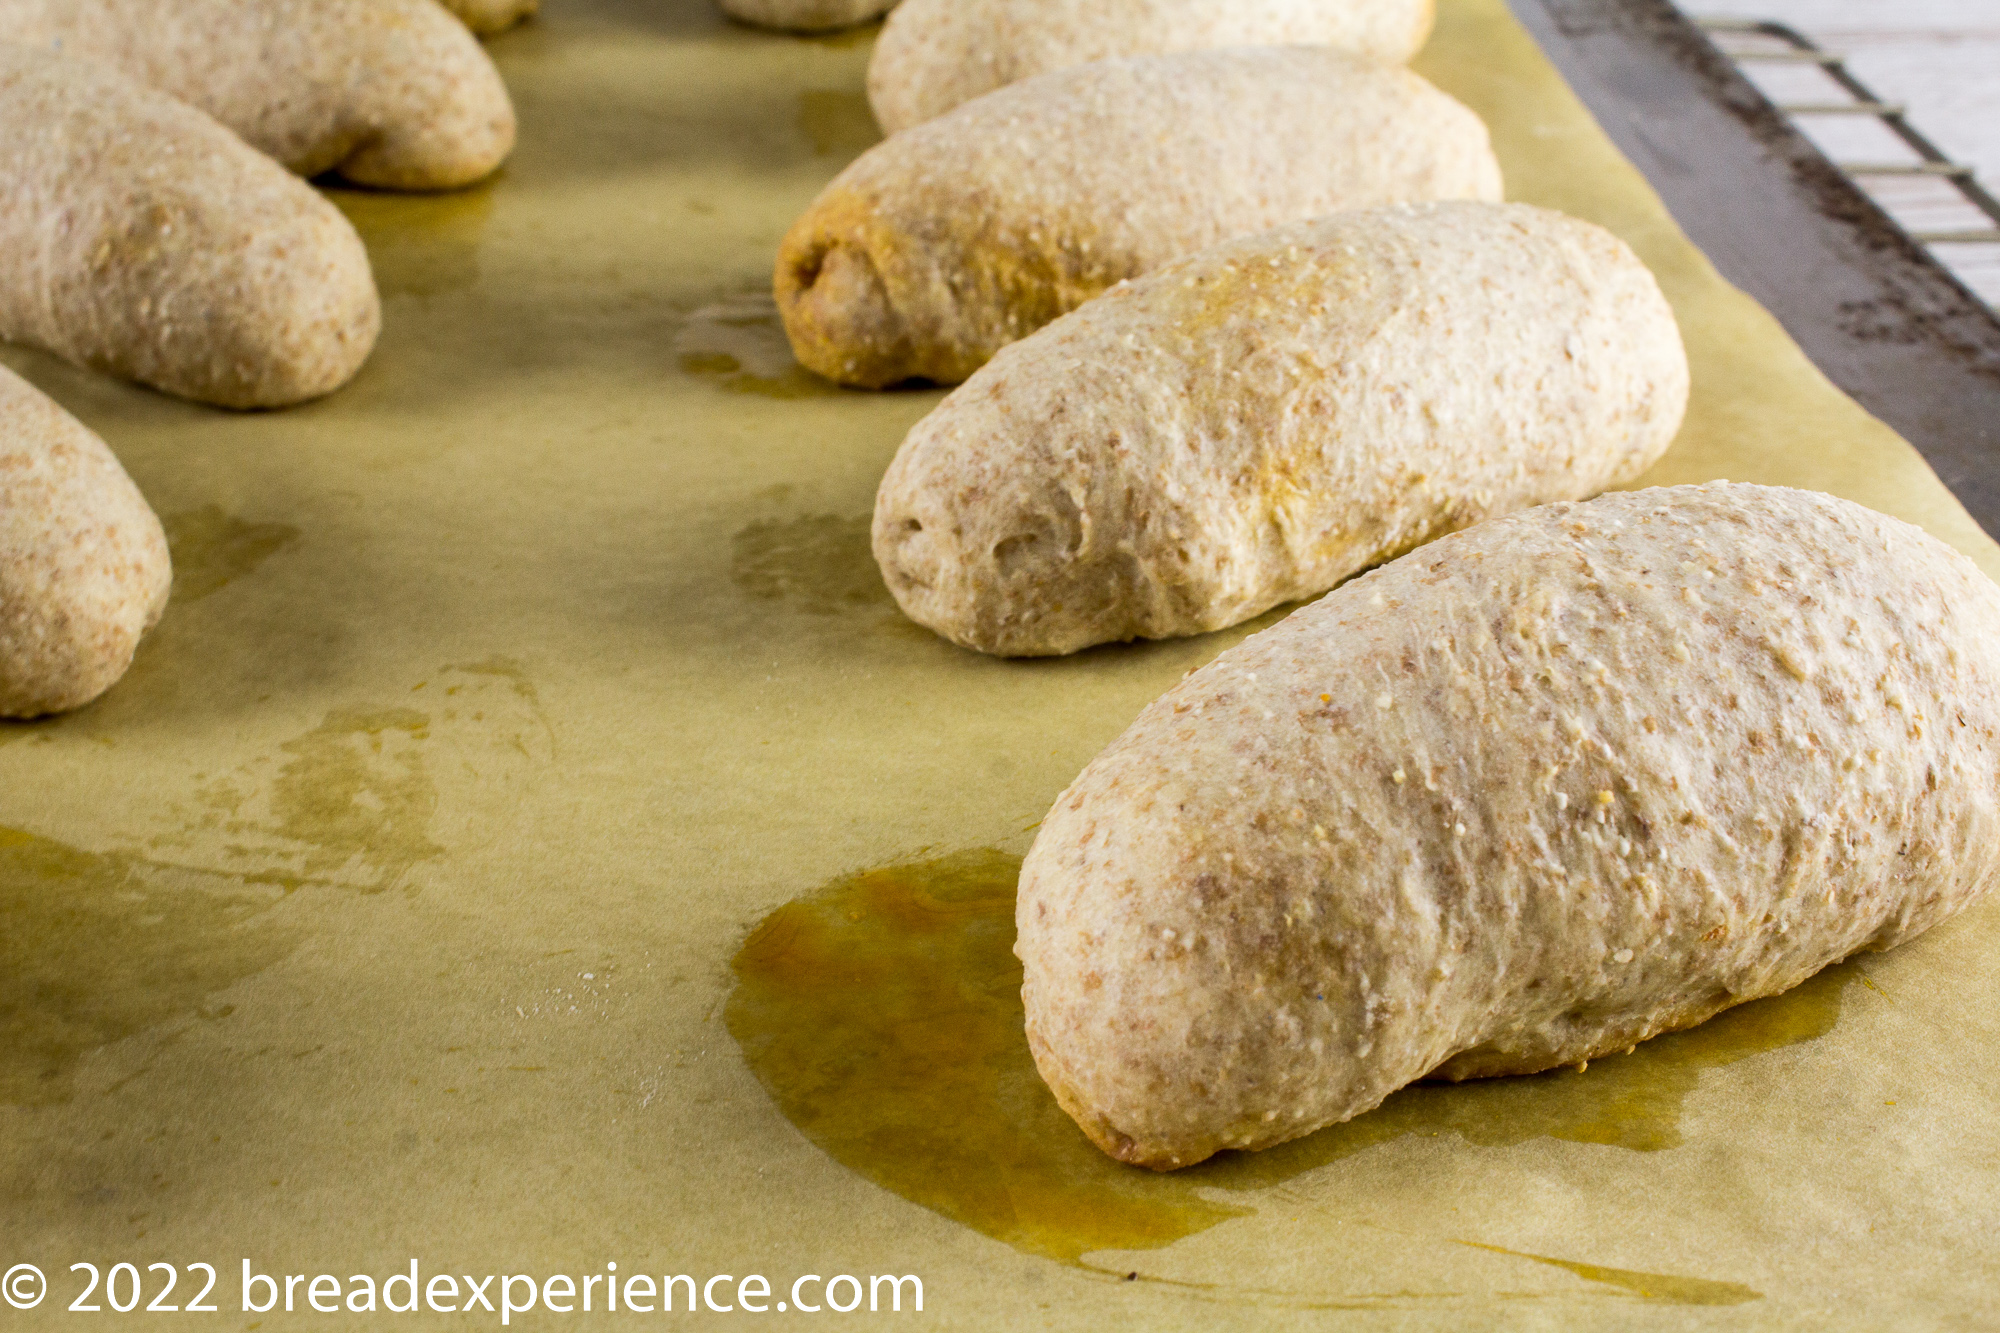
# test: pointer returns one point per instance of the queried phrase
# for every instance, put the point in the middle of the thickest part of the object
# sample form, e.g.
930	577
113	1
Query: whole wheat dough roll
1523	798
806	15
936	54
83	562
145	239
943	244
1251	425
487	17
391	93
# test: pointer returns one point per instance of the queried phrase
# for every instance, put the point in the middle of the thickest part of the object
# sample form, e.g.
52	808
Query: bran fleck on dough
145	239
84	571
1521	799
1252	424
390	93
934	55
806	15
486	17
943	244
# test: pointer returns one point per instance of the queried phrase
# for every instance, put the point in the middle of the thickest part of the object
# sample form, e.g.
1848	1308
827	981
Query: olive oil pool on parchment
883	1014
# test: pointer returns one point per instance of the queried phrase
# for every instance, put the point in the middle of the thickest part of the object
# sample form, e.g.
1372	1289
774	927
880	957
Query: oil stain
212	549
95	947
820	564
883	1015
420	244
1662	1288
355	792
837	122
739	344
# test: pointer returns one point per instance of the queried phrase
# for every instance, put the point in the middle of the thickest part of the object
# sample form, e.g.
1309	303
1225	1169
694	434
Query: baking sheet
535	841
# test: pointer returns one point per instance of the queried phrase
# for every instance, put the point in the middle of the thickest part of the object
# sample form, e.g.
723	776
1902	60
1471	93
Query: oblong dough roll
934	55
487	17
143	238
1251	425
806	15
390	93
940	246
1521	799
84	571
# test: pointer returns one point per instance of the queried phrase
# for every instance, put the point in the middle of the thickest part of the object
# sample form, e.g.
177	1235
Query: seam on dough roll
805	15
145	239
391	93
84	571
943	244
1255	423
1523	798
934	55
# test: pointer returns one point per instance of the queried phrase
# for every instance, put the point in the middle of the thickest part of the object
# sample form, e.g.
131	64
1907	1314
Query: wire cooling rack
1937	202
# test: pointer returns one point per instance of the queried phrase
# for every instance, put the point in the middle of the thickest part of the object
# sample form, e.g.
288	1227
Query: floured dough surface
934	55
806	15
1253	424
390	93
946	242
1522	798
145	239
83	563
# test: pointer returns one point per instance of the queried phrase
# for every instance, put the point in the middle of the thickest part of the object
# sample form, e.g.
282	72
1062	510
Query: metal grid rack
1927	160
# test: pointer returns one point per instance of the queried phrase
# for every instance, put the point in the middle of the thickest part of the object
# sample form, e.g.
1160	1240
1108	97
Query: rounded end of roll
443	116
84	568
837	312
297	323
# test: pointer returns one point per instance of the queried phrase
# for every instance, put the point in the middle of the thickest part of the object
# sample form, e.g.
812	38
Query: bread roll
1523	798
806	15
83	562
391	93
945	243
145	239
487	17
935	54
1251	425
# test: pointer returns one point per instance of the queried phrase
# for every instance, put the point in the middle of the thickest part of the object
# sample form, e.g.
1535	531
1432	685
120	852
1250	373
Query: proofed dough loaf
806	15
142	238
1253	424
945	243
935	54
83	562
487	17
391	93
1523	798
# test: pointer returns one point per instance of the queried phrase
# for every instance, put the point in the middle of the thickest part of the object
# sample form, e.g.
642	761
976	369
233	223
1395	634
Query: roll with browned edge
1255	423
84	571
945	243
806	15
1521	799
487	17
390	93
145	239
934	55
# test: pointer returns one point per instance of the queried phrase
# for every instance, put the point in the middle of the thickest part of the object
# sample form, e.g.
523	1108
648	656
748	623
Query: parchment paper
388	908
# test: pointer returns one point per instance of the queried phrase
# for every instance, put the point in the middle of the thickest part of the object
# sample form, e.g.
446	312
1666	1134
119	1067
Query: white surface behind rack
1939	58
